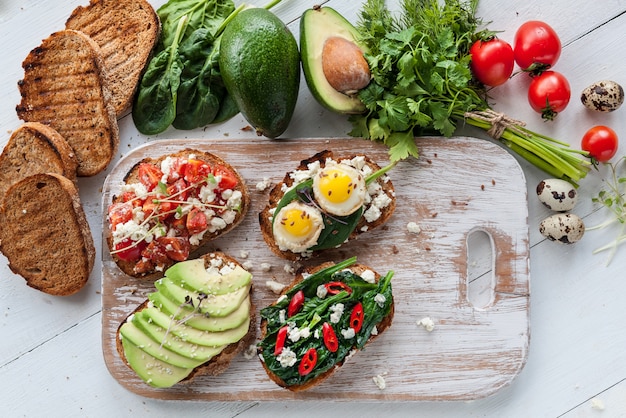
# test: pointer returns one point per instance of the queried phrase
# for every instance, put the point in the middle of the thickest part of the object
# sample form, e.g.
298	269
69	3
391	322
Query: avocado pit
344	65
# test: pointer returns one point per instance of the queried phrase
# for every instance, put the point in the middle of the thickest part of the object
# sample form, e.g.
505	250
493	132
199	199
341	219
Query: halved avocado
316	26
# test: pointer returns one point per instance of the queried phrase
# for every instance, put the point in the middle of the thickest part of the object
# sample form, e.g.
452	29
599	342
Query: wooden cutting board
458	187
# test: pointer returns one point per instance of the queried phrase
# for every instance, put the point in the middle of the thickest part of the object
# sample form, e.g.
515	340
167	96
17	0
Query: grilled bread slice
378	207
45	235
64	86
171	363
297	376
35	148
126	31
189	190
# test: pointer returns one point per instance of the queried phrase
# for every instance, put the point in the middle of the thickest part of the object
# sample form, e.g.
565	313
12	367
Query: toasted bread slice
219	363
35	148
45	235
145	268
64	86
380	327
364	224
126	31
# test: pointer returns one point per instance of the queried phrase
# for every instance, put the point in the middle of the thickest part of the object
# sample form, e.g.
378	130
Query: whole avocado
260	65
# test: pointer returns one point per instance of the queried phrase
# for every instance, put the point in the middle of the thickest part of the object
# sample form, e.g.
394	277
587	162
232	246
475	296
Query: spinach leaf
200	90
155	104
228	109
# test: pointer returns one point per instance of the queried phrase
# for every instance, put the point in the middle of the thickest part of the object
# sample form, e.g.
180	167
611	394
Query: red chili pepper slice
356	317
281	337
332	288
307	364
330	338
296	303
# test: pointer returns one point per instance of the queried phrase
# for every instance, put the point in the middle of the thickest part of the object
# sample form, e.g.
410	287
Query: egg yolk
336	185
297	223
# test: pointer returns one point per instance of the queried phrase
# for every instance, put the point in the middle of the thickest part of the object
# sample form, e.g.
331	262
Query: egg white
284	234
349	201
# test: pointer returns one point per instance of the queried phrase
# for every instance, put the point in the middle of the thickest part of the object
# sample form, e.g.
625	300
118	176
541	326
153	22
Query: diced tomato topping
144	266
196	171
176	248
120	213
155	253
196	221
127	250
228	178
149	175
178	190
180	225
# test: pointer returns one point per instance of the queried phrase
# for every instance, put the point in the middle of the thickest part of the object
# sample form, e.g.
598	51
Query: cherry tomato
196	171
149	175
330	338
176	248
536	46
549	93
228	178
127	250
332	288
196	221
295	304
356	317
307	364
600	142
281	337
492	61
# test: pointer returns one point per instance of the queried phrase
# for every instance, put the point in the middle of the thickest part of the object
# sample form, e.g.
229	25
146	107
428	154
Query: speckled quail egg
566	228
339	189
603	96
557	195
297	227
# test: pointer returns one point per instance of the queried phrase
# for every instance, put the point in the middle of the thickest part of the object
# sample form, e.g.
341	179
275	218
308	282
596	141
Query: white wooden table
51	361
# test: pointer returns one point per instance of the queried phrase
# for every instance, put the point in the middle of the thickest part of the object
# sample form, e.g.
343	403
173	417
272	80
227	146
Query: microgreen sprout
614	199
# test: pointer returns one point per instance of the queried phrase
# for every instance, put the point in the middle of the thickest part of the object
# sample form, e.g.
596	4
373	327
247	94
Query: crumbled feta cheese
380	300
379	380
287	358
321	291
374	331
289	269
348	333
244	254
266	267
372	213
281	298
369	276
597	404
427	323
248	265
138	189
413	228
294	333
234	201
282	316
263	184
274	286
250	352
336	312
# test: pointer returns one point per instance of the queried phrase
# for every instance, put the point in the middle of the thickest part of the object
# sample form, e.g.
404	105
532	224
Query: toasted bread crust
45	209
64	86
126	31
220	363
265	216
381	327
35	148
133	177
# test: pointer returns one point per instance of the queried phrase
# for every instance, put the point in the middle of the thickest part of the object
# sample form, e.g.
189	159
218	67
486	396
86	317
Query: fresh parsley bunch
422	84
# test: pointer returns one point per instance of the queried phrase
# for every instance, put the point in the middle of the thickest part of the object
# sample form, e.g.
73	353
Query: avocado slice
131	332
198	320
316	26
164	338
195	336
153	371
192	275
213	305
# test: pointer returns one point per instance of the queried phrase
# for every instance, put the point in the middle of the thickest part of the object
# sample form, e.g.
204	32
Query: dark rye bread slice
381	327
45	235
220	363
126	31
266	216
35	148
64	86
133	177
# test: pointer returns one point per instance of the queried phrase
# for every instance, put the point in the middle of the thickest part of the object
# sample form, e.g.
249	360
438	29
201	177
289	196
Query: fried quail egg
297	227
339	189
